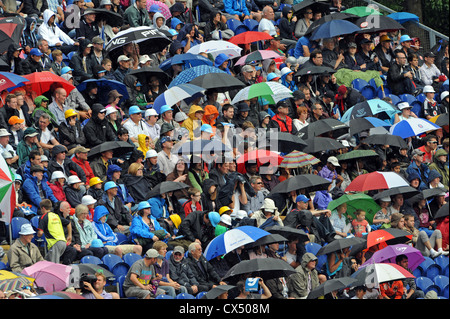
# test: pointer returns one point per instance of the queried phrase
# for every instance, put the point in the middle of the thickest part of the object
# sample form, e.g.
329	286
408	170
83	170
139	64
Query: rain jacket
441	168
71	136
181	272
119	214
87	232
76	63
8	57
193	227
285	25
191	123
210	110
58	190
159	207
19	258
40	109
163	26
290	85
236	7
220	59
174	22
141	141
97	131
298	283
138	186
135	17
182	35
207	277
31	190
53	34
103	230
139	229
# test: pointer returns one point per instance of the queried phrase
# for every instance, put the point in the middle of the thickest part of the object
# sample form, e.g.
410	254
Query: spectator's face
401	59
43	123
429	60
269	14
61	96
43	47
36	58
168	116
229	114
90	18
13	103
258	185
141	4
178	256
107	66
38	175
432	144
406	44
415	183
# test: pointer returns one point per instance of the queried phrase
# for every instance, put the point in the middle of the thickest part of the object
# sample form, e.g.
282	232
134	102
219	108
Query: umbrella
330	17
267	240
316	6
203	147
430	192
311	181
216	47
441	119
271	91
356	154
389	236
402	17
442	212
333	29
176	94
406	191
249	37
79	269
355	202
288	232
389	253
221	82
285	142
10	280
257	55
189	74
11	29
362	11
187	59
339	244
163	8
104	87
7	192
374	274
259	157
319	144
360	124
118	147
314	70
167	186
267	268
232	239
8	80
412	127
217	291
377	23
330	286
369	108
297	159
48	275
145	73
323	126
376	180
112	18
41	82
386	139
59	295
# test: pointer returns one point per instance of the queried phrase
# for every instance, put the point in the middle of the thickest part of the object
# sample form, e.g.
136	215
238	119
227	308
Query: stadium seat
312	248
168	254
119	284
236	26
115	264
184	296
426	284
91	260
38	241
3	266
16	224
395	99
442	283
442	261
200	294
417	272
383	92
122	239
164	297
421	97
415	104
251	24
131	258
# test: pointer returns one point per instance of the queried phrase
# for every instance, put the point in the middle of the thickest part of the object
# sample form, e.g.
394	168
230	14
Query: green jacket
23	150
442	168
135	17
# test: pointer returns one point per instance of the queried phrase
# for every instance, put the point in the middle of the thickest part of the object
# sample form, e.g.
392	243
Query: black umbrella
377	23
118	147
204	147
314	70
406	191
112	18
329	17
339	244
144	74
331	285
217	291
430	192
288	232
442	212
220	81
267	268
442	120
323	126
319	144
267	240
386	139
167	186
361	124
285	142
11	29
311	181
315	6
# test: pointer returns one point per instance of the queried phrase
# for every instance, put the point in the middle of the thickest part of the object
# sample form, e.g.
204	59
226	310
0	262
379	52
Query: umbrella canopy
267	240
360	124
377	23
7	192
41	82
176	94
311	181
389	236
355	202
79	269
8	80
202	147
187	59
104	87
288	232
386	139
232	239
249	37
11	280
189	74
221	82
11	29
441	119
167	186
330	286
319	144
297	159
324	126
376	180
333	29
369	108
163	8
145	73
285	142
406	191
258	55
339	244
314	70
374	274
259	157
442	212
430	192
402	17
389	253
316	6
362	11
330	17
118	147
271	91
267	268
412	127
217	291
48	275
216	47
59	295
112	18
356	154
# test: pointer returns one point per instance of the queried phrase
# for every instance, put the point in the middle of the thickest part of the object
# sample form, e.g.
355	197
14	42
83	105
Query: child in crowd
360	225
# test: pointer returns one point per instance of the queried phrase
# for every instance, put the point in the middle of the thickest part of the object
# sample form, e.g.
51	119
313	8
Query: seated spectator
368	56
71	135
74	191
353	60
35	189
97	291
54	35
32	63
287	23
305	279
430	107
23	253
398	77
181	273
60	162
429	71
56	184
96	129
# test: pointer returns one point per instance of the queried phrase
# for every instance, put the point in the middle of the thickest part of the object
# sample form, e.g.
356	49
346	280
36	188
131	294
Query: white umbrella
271	91
215	47
412	127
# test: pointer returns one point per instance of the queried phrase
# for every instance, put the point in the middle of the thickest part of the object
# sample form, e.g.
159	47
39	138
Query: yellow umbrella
11	280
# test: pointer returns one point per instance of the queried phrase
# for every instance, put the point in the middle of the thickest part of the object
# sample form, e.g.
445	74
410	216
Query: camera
87	278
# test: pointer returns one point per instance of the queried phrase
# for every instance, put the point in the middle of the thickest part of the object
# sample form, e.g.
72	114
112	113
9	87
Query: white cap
123	58
110	110
73	179
180	116
150	112
428	89
403	105
226	219
144	59
444	95
333	160
88	200
151	153
286	70
57	175
4	132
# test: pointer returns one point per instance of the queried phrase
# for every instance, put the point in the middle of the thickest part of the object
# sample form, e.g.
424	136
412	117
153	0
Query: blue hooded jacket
158	204
290	85
220	59
139	229
31	189
174	22
103	230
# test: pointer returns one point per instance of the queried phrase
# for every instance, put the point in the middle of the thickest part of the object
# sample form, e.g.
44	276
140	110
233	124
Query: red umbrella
376	180
389	236
249	37
41	82
259	157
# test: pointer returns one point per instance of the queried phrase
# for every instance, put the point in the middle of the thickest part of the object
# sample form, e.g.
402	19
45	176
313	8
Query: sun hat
26	229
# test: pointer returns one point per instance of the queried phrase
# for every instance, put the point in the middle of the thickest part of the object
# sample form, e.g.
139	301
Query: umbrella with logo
369	108
412	127
389	253
266	268
49	275
374	274
311	181
9	80
330	286
216	47
356	201
7	192
386	139
324	126
377	23
376	180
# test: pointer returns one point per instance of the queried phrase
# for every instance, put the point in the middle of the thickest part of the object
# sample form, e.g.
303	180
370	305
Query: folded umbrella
330	286
389	253
386	139
355	202
376	180
412	127
311	181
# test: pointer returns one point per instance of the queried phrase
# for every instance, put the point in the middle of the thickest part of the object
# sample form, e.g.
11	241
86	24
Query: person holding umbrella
245	294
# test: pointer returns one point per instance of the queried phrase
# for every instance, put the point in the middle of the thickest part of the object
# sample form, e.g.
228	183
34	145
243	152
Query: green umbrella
357	201
7	193
271	91
356	154
362	11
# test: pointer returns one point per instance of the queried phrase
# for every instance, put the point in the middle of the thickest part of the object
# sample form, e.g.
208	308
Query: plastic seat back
91	260
442	283
16	224
131	258
426	284
184	296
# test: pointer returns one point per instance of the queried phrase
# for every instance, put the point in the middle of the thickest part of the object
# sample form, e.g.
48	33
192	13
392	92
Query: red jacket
187	207
57	190
393	291
86	167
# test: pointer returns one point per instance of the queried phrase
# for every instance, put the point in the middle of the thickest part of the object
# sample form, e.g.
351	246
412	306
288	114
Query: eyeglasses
433	142
308	12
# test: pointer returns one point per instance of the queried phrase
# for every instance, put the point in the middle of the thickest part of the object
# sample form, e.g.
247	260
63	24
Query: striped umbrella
412	127
15	283
271	91
7	193
297	159
376	180
176	94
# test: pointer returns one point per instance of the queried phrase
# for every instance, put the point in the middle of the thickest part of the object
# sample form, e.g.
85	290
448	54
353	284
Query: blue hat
154	8
134	110
173	32
272	76
143	205
405	38
109	185
302	198
165	108
18	178
35	52
66	69
138	84
214	218
97	243
206	128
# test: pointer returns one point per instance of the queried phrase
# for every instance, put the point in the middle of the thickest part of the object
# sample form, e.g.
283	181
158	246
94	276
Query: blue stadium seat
122	239
251	24
3	266
395	99
131	258
236	26
312	248
115	264
386	90
426	284
417	272
16	224
441	261
91	260
119	284
184	296
421	97
442	283
168	254
367	90
38	241
164	297
200	294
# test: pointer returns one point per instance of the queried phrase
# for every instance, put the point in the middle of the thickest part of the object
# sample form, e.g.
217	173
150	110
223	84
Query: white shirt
266	24
135	129
167	163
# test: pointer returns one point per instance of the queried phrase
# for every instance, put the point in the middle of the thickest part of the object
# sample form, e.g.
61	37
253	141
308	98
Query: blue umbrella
104	87
333	29
233	239
11	81
369	108
412	127
176	94
188	59
402	17
189	74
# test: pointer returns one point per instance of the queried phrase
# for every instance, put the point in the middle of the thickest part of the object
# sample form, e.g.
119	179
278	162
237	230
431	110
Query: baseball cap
302	198
333	160
206	128
36	52
144	59
385	38
417	152
272	76
405	38
352	45
150	112
429	54
178	249
151	253
165	139
403	105
14	120
123	58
